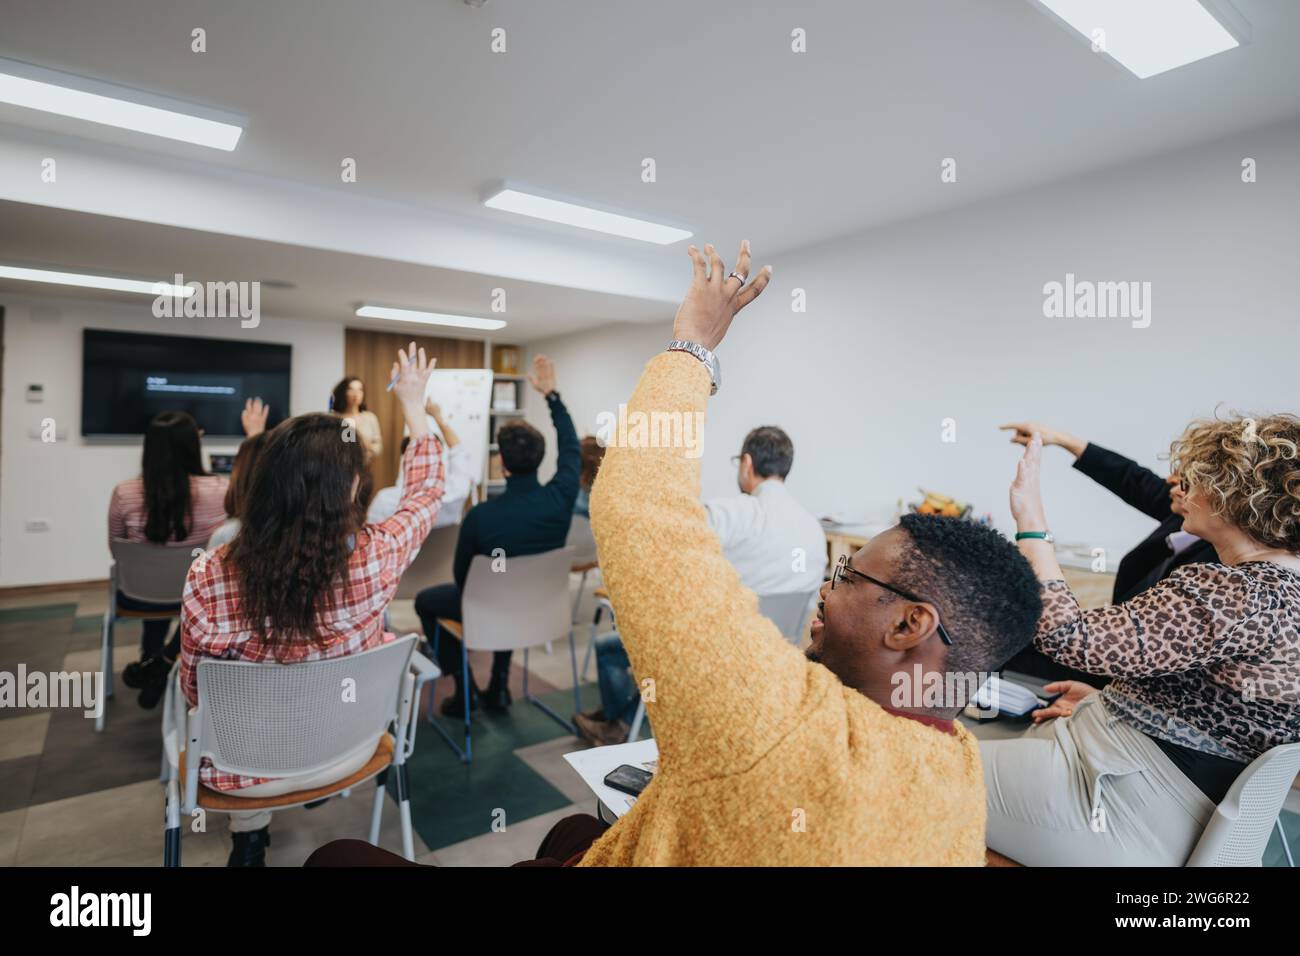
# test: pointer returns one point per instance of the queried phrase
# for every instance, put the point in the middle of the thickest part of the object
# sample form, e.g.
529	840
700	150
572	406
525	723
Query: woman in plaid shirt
305	579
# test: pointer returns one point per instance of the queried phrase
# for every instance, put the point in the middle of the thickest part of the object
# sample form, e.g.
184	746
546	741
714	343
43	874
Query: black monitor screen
128	378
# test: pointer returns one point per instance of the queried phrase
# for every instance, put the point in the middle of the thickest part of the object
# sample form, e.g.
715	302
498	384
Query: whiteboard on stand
463	395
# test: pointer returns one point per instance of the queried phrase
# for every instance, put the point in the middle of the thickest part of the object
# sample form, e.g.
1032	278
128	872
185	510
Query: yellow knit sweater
764	757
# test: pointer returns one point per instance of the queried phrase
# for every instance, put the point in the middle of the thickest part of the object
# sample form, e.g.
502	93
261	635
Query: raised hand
715	297
412	370
542	377
1026	491
1023	431
253	417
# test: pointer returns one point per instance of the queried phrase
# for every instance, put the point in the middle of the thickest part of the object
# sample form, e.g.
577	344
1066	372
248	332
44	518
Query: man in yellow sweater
844	756
768	756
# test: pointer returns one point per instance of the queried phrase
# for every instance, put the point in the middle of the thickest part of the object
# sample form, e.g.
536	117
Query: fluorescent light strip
38	89
430	318
94	282
570	214
1148	37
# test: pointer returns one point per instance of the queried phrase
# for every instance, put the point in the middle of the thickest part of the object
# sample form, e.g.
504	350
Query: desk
593	765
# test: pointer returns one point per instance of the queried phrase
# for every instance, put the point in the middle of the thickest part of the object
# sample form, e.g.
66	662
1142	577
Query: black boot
250	848
144	672
454	706
497	699
155	687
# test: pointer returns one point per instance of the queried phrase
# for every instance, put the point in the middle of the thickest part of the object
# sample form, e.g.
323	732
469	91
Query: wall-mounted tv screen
127	379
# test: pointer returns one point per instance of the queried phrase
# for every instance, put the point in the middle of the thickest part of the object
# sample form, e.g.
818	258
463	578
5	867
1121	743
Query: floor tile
23	736
11	827
516	842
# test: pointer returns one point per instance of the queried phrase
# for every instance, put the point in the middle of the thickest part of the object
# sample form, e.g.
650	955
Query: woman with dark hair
593	453
348	401
305	579
173	502
241	479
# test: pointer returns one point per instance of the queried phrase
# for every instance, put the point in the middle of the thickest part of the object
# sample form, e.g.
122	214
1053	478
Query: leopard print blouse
1209	658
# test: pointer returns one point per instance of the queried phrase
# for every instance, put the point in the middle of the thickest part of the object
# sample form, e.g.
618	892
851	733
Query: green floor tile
42	612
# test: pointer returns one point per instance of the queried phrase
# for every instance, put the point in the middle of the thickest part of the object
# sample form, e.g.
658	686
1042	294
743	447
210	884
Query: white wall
69	482
943	317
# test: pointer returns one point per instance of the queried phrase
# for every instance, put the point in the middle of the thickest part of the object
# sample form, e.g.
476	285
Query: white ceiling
750	139
326	285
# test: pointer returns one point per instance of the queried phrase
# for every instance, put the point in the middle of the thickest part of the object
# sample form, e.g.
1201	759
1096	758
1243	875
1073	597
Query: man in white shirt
772	541
458	481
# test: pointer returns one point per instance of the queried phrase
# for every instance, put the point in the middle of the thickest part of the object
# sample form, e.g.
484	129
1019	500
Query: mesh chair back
432	565
283	720
787	612
581	540
152	572
525	605
1240	828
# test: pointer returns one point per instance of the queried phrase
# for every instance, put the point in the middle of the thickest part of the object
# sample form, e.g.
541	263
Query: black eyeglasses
842	568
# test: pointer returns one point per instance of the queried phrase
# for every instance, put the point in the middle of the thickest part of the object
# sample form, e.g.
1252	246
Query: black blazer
1151	561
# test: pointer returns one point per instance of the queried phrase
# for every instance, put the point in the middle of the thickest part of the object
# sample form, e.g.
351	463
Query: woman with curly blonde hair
1206	666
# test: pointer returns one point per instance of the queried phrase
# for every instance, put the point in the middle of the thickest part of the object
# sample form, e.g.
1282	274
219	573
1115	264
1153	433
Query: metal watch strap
706	358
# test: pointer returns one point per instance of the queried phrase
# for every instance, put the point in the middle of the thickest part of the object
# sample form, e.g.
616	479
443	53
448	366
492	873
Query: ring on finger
736	275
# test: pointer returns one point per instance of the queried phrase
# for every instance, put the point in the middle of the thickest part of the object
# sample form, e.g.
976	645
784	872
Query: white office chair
585	560
432	565
154	573
520	607
291	720
1238	832
787	611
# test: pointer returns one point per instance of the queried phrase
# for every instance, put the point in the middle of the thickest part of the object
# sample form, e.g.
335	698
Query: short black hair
987	594
522	447
771	451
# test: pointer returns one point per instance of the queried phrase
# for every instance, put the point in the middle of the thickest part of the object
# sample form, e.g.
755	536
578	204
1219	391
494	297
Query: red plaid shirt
212	624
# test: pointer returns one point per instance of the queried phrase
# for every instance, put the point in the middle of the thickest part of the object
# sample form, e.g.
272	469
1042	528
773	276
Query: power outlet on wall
38	524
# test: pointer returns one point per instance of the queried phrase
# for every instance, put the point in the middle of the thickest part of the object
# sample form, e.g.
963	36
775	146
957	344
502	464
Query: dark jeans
443	600
565	844
618	691
155	632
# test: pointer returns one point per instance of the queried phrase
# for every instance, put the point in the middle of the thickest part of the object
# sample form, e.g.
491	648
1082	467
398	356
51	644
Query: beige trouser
1089	790
246	821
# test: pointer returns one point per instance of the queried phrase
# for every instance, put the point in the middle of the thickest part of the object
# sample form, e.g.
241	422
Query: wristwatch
704	355
1037	535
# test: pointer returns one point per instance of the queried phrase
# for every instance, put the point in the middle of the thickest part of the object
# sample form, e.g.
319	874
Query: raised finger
741	269
752	291
699	268
715	265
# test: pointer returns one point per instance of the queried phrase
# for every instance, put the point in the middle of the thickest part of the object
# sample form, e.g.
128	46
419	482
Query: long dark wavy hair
241	473
341	395
291	553
171	457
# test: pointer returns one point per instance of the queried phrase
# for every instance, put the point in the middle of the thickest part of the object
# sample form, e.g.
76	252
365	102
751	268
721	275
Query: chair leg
377	811
634	733
404	808
172	824
466	691
573	659
1286	847
106	667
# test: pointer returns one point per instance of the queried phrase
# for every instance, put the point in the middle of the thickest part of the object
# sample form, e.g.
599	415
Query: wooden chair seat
581	568
600	594
217	800
148	615
451	627
994	858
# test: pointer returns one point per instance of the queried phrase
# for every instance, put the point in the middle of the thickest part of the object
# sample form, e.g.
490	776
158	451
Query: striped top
127	514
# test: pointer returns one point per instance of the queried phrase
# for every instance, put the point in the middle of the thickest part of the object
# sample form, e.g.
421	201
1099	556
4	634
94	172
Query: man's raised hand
715	296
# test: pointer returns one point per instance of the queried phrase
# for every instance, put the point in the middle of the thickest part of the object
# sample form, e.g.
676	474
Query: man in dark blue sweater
527	518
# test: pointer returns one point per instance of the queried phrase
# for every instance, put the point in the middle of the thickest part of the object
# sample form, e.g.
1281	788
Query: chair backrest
524	605
152	572
787	611
1241	825
433	565
284	720
581	540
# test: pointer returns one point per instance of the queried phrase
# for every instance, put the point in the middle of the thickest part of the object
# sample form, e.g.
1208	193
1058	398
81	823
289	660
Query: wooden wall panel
369	356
